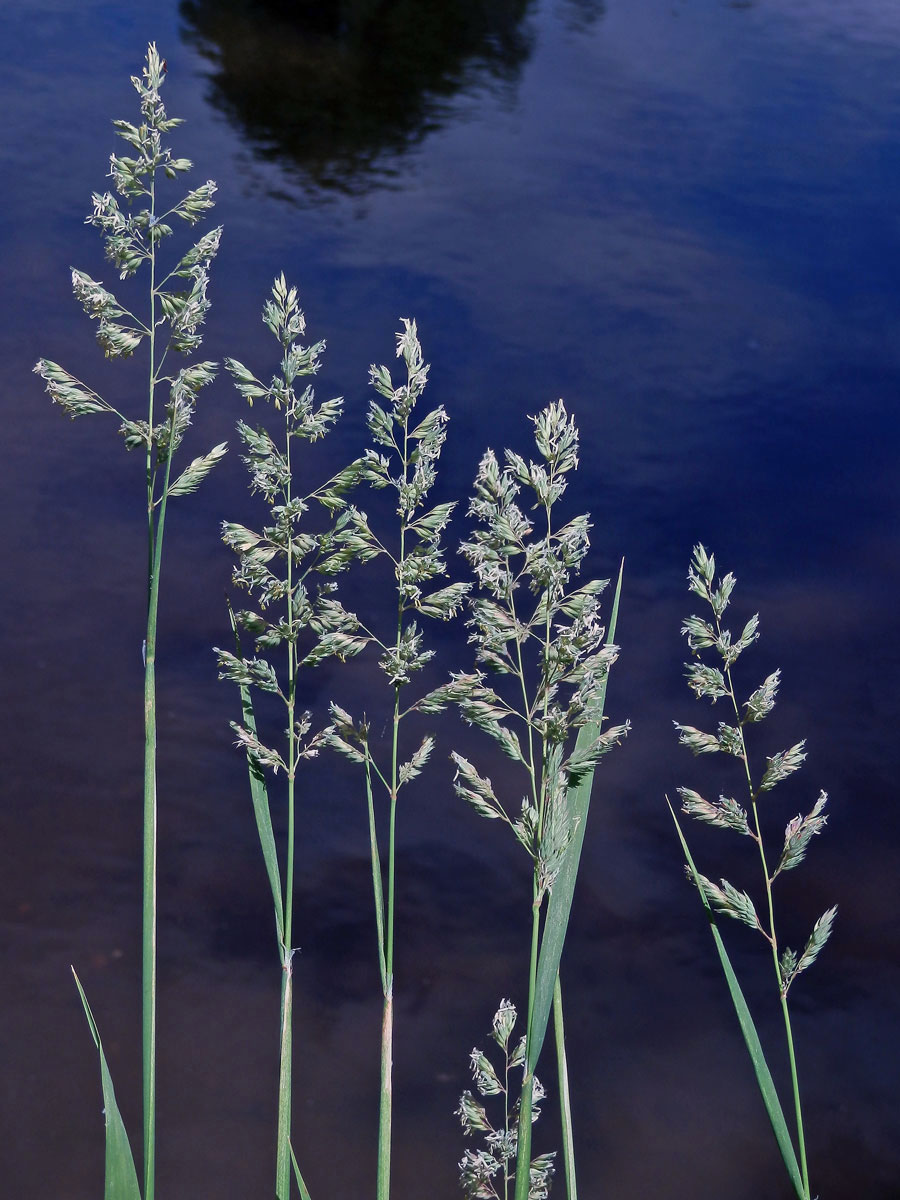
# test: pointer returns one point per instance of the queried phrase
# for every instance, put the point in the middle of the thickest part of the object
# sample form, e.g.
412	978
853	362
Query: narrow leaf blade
377	890
260	798
120	1176
748	1029
559	906
301	1184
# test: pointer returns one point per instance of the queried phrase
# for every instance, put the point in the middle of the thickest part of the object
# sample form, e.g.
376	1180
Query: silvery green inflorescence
404	457
487	1173
178	301
287	571
529	623
714	683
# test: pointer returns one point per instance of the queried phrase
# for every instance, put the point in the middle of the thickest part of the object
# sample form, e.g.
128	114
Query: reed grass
714	683
294	624
543	642
404	459
537	688
134	229
290	609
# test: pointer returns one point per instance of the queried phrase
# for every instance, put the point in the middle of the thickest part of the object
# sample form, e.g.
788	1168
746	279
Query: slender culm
410	449
544	636
298	621
175	307
707	634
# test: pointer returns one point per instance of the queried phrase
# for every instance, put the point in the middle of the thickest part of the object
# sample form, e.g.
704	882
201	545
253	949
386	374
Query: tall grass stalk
404	458
713	683
547	640
175	306
288	572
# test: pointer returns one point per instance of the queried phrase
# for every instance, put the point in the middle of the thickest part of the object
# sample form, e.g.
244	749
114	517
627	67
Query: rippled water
681	217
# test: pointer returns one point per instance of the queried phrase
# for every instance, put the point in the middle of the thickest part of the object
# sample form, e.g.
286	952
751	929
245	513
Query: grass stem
565	1104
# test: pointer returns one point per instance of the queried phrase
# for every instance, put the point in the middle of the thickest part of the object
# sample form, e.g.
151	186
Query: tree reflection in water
337	90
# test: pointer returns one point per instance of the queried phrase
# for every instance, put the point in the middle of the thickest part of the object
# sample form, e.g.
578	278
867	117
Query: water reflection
339	91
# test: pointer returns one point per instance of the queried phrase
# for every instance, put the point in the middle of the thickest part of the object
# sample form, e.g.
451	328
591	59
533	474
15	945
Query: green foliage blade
301	1184
120	1176
260	798
565	1102
754	1047
377	889
559	906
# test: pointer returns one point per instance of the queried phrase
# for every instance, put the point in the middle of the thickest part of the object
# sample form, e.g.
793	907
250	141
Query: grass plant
173	307
404	458
543	642
298	620
715	683
537	687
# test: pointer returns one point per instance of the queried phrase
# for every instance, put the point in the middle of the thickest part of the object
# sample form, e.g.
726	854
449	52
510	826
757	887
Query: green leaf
304	1190
751	1038
260	798
377	889
559	906
120	1178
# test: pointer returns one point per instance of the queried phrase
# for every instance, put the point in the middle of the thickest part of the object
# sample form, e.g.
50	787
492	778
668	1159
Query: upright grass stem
278	568
558	692
132	237
770	934
411	452
714	683
156	529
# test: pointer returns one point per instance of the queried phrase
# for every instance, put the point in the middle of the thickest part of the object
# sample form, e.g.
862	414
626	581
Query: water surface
679	216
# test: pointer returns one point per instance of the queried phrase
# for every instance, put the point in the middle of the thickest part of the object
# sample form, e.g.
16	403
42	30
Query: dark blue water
681	216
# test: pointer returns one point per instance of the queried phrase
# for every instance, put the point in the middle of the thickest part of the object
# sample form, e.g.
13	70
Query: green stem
155	528
565	1105
506	1120
772	939
383	1183
523	1141
795	1083
386	1098
283	1150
